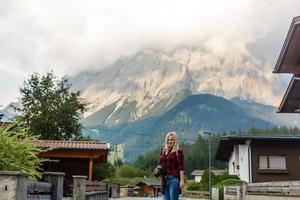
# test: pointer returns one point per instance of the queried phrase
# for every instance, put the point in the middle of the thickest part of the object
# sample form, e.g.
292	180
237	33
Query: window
263	162
272	162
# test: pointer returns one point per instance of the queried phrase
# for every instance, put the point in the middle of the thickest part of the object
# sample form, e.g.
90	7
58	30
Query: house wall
290	149
244	162
233	162
239	162
230	163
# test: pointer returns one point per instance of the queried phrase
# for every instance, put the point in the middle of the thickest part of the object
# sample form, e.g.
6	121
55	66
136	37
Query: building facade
261	158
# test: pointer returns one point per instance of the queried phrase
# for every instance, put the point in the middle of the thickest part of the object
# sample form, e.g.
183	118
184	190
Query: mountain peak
152	76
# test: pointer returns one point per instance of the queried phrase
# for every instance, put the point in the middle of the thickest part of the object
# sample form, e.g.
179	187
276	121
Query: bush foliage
217	180
103	171
129	171
18	153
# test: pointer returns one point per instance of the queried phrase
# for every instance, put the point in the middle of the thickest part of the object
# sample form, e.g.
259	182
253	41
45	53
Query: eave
291	100
289	57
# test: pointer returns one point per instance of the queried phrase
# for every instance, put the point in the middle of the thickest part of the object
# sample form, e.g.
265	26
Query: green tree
127	170
50	108
149	160
103	171
17	151
204	183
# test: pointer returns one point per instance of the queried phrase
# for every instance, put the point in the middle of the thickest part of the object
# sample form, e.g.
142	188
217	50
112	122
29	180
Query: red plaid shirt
172	163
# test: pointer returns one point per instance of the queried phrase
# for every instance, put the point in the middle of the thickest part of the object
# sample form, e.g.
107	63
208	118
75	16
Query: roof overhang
289	57
73	153
197	173
291	100
227	143
226	146
155	184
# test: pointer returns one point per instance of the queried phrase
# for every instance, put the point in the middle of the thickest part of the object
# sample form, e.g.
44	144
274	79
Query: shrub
193	186
224	176
18	153
217	180
129	171
204	183
103	171
229	182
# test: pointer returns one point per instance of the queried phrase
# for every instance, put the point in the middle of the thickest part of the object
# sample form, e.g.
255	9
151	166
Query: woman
171	159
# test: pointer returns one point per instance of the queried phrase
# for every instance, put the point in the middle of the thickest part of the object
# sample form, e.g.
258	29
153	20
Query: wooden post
91	169
215	193
79	187
57	181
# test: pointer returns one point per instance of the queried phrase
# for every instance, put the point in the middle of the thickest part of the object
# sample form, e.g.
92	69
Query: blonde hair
175	147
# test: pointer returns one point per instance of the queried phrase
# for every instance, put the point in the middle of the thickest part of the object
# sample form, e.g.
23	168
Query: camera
159	170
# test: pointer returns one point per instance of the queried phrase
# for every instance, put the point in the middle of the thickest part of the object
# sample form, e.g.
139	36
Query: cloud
68	36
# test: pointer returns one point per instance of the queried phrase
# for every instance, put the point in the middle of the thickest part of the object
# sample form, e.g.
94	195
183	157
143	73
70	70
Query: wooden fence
96	190
195	194
287	190
16	186
39	191
96	186
281	188
89	190
100	195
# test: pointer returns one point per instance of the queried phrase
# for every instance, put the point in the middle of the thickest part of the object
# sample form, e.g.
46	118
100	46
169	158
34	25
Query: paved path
137	198
147	198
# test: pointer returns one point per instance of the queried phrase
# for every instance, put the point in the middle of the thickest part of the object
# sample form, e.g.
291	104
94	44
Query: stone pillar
79	187
215	193
13	185
57	181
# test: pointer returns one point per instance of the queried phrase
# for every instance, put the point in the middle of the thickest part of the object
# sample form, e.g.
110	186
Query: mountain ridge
151	76
193	114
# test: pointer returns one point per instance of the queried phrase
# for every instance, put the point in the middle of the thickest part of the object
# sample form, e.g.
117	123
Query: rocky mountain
139	98
10	111
192	115
151	82
268	113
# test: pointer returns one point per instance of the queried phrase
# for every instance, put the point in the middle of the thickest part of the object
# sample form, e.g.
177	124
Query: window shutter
277	162
263	162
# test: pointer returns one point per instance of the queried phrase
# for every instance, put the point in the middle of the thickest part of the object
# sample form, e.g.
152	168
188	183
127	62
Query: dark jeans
172	188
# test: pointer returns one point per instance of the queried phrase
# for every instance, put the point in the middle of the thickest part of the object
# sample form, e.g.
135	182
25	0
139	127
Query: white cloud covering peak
68	36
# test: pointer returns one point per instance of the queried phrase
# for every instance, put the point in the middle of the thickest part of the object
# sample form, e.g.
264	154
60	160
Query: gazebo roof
289	57
72	145
64	150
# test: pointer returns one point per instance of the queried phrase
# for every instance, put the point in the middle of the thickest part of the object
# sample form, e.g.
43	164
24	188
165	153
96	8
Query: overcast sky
68	36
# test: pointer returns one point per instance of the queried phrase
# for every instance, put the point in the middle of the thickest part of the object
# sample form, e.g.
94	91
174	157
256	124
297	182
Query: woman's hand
181	184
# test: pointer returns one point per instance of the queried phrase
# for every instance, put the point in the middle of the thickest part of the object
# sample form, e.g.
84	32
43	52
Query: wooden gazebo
73	157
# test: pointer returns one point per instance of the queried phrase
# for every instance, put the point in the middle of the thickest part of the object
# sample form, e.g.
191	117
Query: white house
260	158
